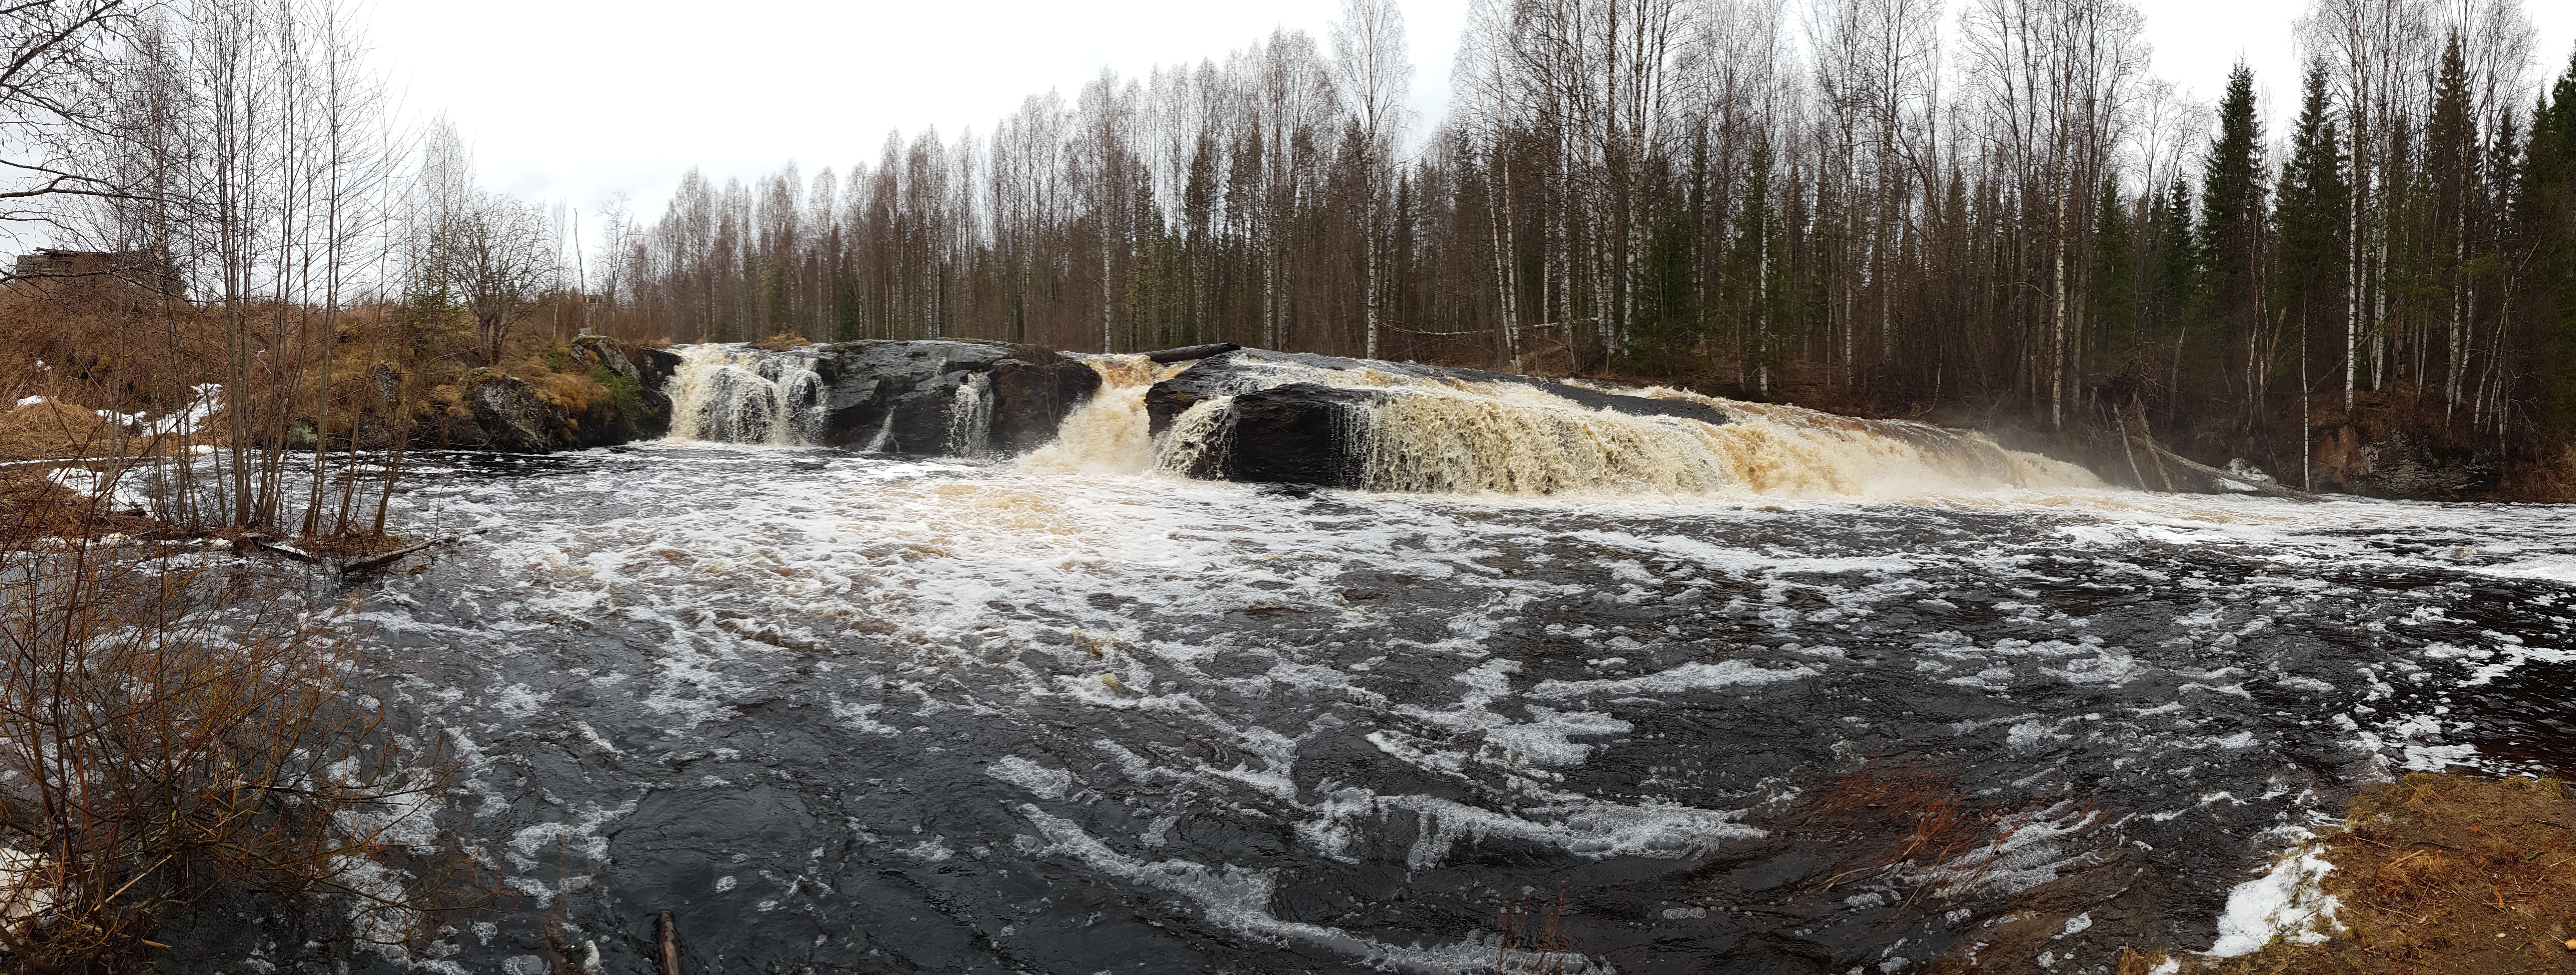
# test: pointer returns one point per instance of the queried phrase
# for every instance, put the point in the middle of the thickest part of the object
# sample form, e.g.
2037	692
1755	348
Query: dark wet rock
649	367
639	412
1299	433
507	415
1242	371
504	413
1188	352
1281	427
941	397
1031	399
2380	461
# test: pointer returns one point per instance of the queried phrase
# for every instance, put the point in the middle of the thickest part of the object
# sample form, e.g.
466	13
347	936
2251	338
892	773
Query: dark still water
853	714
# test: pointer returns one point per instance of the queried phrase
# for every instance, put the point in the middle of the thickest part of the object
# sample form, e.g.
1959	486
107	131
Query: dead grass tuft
53	431
2445	875
782	342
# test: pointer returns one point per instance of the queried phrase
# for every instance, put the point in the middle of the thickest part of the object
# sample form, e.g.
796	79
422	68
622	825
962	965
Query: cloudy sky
574	101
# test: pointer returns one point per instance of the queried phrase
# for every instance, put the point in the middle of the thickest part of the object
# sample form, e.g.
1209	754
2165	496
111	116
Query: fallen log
374	562
668	931
1189	352
2157	450
278	549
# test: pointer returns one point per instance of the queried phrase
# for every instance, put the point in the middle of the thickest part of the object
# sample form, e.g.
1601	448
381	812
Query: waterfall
1108	433
1436	433
733	394
1406	428
970	416
883	438
1512	438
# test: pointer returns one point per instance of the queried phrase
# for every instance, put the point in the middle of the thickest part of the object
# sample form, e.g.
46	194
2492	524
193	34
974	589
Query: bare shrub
176	726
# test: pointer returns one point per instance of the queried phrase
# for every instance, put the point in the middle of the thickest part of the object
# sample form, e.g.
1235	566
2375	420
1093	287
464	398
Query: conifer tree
2313	214
2451	174
2115	266
2232	234
2545	221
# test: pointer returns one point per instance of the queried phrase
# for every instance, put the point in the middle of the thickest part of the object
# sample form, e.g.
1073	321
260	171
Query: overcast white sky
574	101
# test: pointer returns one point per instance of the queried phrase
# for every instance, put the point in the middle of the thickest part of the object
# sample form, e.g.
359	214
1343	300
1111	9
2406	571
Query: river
842	712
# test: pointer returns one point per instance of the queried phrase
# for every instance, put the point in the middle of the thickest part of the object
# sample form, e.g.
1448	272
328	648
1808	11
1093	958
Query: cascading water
1414	433
733	394
1440	434
970	416
1110	432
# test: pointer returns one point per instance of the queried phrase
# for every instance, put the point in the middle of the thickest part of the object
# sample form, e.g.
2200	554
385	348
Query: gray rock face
648	367
509	417
933	397
504	413
1299	433
648	416
2390	463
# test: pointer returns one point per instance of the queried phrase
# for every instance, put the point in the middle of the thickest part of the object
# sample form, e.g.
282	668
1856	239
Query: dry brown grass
54	431
2442	875
782	342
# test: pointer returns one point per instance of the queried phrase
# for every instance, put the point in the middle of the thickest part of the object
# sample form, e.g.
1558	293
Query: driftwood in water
374	562
274	547
2158	453
1189	352
669	932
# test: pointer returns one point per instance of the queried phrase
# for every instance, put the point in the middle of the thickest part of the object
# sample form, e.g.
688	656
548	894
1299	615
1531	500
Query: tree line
2018	225
318	258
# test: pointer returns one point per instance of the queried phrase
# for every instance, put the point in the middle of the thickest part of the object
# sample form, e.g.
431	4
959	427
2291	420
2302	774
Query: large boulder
648	367
1246	370
1299	433
508	416
635	377
1032	397
1309	419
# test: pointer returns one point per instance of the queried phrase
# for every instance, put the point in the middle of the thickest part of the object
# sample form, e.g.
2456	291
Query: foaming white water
733	394
1426	434
912	605
1109	433
1513	438
1449	435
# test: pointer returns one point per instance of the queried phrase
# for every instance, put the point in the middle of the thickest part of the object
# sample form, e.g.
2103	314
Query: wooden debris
669	932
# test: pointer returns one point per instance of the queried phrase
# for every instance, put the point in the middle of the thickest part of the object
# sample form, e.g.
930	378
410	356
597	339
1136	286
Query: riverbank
2433	875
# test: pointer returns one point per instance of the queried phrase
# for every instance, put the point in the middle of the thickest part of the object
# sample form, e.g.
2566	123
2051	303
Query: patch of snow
2285	902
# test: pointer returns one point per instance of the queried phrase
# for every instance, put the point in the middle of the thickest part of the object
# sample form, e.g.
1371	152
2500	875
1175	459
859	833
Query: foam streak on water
872	715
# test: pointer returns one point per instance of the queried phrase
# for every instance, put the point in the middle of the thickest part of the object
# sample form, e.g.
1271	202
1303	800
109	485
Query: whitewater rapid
1419	430
1053	714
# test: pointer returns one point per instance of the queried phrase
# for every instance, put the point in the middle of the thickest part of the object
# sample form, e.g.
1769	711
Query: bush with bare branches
178	727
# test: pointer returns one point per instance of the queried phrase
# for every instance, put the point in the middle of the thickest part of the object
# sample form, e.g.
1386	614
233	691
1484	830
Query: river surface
848	713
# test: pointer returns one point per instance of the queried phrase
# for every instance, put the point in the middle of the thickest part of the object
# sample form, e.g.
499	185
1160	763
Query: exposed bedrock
1246	370
1310	419
934	397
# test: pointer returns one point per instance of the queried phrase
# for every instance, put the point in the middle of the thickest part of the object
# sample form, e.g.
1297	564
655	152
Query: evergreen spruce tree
2232	230
2114	279
2451	188
2313	216
2174	260
2545	223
